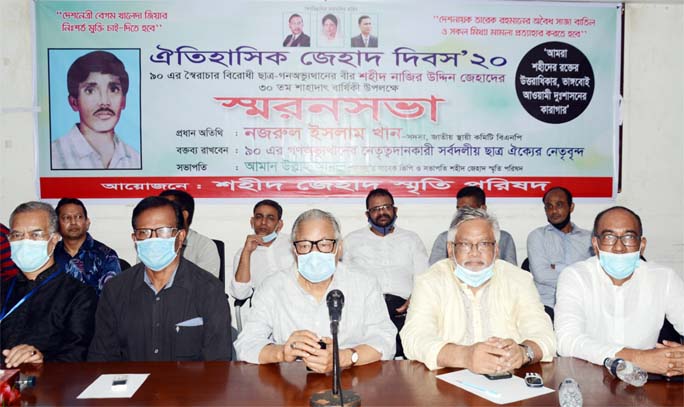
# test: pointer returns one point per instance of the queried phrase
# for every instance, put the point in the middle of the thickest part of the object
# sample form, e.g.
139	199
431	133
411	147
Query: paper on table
497	391
101	388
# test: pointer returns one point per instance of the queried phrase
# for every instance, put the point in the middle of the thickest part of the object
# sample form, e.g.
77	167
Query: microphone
335	301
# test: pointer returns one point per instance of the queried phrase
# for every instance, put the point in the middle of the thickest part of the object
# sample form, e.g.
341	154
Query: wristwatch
354	356
529	352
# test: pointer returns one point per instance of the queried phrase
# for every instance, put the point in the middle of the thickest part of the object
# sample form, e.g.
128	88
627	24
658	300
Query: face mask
270	237
316	266
383	230
156	253
619	266
30	255
474	278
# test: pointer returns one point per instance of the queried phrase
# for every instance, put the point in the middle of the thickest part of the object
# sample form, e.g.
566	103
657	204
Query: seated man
81	256
474	311
46	315
473	197
387	252
165	308
290	314
265	252
197	248
613	304
553	247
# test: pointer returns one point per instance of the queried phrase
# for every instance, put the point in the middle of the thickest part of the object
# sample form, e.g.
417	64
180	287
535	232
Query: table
396	383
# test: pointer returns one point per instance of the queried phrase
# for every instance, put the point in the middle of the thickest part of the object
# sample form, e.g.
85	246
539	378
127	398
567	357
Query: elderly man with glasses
475	311
46	314
391	254
165	308
614	304
290	321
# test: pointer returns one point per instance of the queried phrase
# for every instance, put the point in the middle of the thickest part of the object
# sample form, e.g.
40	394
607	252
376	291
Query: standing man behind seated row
290	314
474	311
197	248
553	247
473	197
265	252
78	254
46	315
165	308
613	304
388	253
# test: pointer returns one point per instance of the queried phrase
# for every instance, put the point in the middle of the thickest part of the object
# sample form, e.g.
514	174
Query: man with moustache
78	254
164	308
475	311
46	314
97	84
297	38
555	246
290	316
387	252
265	252
613	305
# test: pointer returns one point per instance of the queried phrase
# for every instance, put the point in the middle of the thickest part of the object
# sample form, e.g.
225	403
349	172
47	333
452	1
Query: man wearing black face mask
391	254
553	247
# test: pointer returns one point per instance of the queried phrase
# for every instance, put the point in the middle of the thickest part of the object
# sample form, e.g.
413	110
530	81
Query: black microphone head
335	301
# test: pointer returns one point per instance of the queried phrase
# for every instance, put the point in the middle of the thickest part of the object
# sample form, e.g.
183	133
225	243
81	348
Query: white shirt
72	151
393	259
595	319
263	262
202	251
281	306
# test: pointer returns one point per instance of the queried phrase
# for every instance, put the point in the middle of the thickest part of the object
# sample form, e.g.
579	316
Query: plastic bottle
569	394
626	371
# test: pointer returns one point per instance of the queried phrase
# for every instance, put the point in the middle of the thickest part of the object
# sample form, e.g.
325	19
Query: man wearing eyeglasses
78	254
614	304
290	321
555	246
46	314
389	253
475	311
165	308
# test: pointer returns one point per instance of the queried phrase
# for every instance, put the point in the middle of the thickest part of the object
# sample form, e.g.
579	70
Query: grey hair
37	206
314	214
466	214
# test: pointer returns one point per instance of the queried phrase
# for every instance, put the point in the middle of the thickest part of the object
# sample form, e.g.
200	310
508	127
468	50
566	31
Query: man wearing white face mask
46	315
290	320
473	310
613	304
165	308
265	252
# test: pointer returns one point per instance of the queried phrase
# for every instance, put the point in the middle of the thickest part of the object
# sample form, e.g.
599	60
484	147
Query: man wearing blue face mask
165	308
46	314
389	253
614	304
475	311
290	320
265	252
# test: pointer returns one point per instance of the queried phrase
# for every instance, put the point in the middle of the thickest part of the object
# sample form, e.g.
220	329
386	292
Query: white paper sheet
101	388
497	391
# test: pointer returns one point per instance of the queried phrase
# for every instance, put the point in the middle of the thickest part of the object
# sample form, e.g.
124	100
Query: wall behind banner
652	169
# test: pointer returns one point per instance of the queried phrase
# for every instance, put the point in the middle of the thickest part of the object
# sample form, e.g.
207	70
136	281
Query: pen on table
488	392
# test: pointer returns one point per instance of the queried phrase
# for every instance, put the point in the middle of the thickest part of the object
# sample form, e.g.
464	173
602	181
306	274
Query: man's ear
572	207
280	226
73	102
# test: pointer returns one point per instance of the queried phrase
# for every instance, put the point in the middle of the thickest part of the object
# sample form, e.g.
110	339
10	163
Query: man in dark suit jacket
297	38
365	40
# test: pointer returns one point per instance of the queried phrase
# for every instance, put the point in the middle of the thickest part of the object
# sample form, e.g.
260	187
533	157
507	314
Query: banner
247	99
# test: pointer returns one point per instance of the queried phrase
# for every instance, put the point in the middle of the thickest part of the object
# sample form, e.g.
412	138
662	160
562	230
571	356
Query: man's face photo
296	24
99	103
366	26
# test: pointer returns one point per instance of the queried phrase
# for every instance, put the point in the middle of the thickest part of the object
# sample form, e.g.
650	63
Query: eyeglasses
323	246
628	240
466	247
163	232
37	234
385	207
